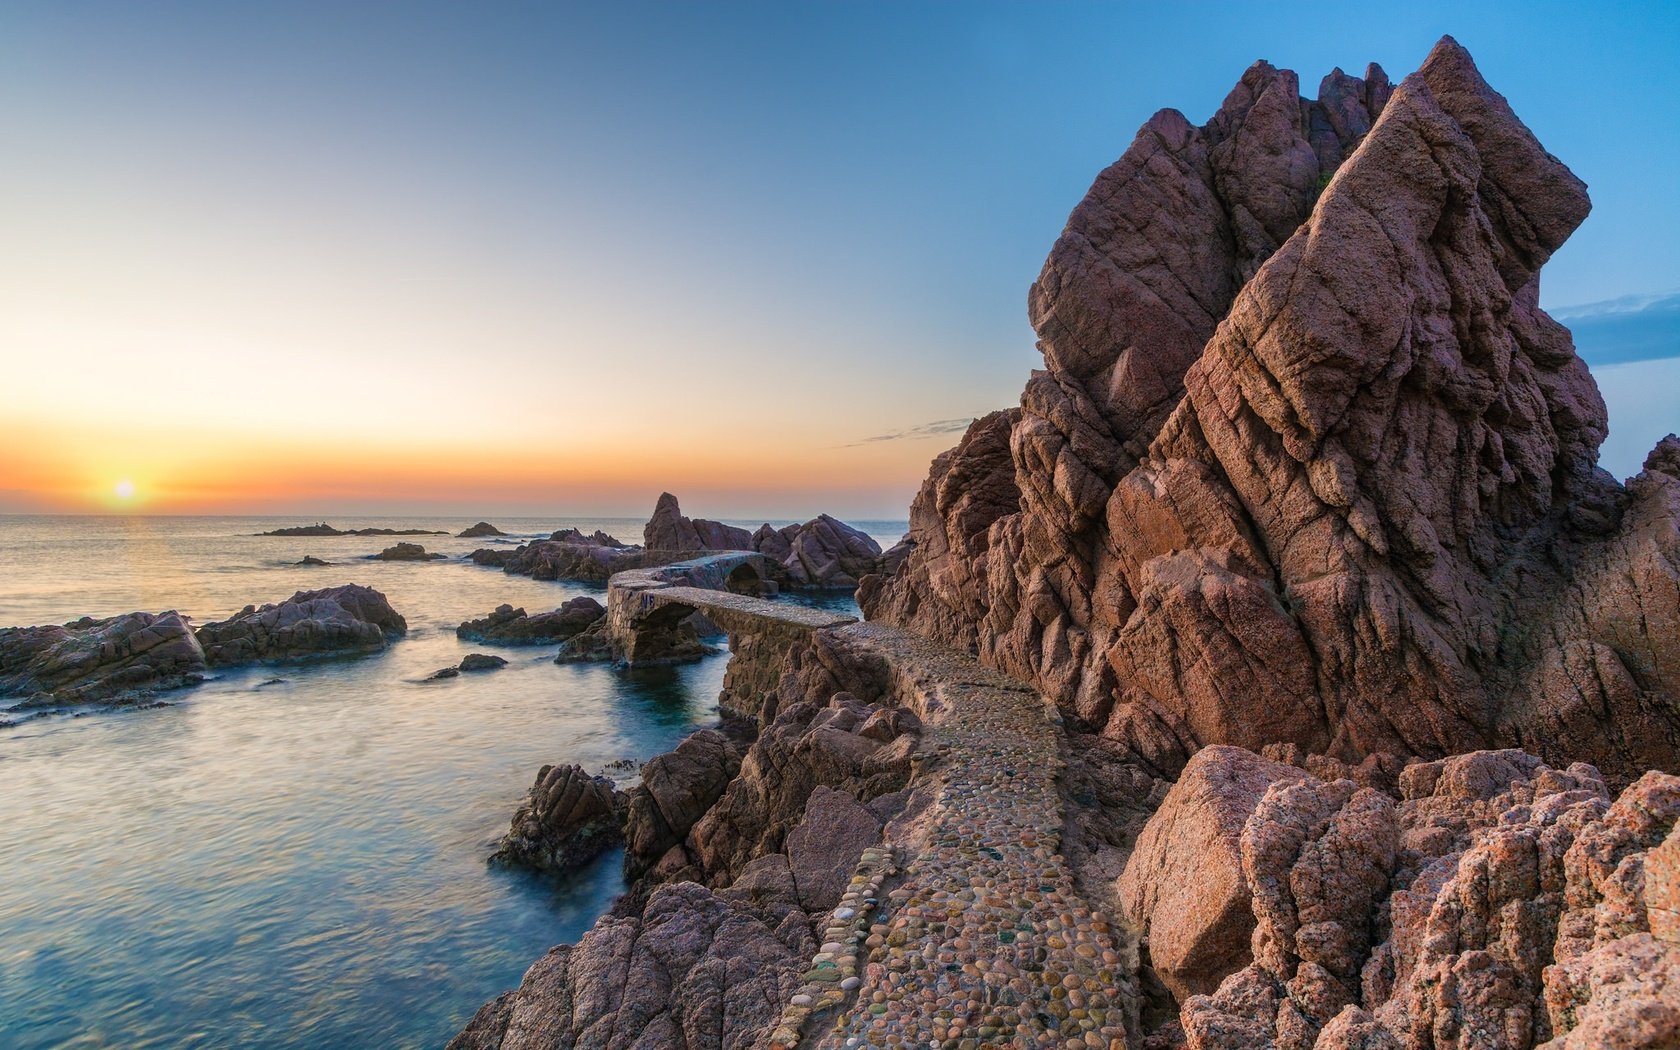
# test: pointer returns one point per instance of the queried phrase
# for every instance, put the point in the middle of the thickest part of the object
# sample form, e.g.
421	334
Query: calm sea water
298	864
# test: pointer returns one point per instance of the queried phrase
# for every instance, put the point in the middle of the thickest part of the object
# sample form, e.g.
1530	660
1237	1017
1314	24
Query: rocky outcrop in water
405	552
337	620
483	528
510	626
823	552
117	659
568	818
671	530
577	557
323	529
1307	462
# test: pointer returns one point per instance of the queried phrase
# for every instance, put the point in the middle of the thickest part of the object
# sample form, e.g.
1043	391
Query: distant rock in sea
338	620
120	659
510	626
323	529
310	559
469	663
483	528
405	552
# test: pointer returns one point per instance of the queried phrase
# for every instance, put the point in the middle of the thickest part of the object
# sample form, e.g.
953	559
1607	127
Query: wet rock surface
118	659
483	528
333	621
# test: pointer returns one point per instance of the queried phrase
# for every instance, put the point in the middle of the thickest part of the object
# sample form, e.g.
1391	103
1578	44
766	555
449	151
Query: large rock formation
483	528
119	658
1307	462
823	552
671	530
337	620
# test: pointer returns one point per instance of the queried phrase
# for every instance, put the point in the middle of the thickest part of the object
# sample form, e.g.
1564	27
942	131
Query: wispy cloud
934	429
1631	328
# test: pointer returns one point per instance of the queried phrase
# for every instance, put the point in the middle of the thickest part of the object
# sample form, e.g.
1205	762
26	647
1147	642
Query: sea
294	855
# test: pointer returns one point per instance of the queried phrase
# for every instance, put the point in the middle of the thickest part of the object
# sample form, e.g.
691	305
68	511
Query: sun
125	489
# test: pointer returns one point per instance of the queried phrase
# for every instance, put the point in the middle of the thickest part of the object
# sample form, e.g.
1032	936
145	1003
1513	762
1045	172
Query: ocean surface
301	862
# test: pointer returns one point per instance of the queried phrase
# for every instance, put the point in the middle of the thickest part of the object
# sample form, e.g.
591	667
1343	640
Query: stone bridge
650	611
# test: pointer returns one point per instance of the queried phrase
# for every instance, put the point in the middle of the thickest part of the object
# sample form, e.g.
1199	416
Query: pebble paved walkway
985	942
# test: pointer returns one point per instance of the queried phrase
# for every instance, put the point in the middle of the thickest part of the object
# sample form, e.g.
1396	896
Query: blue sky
793	229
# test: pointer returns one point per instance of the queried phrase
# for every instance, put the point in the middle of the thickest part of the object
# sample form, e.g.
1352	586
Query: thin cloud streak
926	430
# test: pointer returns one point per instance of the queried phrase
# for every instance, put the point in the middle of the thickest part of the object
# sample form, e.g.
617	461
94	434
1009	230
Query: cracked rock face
568	818
1307	463
1498	902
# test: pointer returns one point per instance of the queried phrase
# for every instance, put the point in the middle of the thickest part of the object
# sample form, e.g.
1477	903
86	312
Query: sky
338	258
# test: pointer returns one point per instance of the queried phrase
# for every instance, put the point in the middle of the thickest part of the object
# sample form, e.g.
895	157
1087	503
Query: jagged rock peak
1308	463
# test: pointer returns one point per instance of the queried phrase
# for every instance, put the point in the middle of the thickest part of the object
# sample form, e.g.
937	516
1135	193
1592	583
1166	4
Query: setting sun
125	489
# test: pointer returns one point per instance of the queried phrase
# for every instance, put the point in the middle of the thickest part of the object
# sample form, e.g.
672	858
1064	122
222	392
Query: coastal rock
823	552
323	529
493	557
481	662
597	538
337	620
116	659
1183	886
310	559
568	818
483	528
1304	426
405	552
510	626
670	530
1502	903
824	846
694	970
677	788
581	558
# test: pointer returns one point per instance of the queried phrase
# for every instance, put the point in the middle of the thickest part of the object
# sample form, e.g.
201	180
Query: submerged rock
117	659
510	626
337	620
470	662
310	559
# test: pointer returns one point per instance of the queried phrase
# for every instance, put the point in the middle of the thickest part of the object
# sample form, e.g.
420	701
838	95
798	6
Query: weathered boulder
1502	903
677	788
510	626
405	552
671	530
116	659
823	848
1303	426
567	819
694	969
597	538
578	558
823	552
483	528
337	620
1183	886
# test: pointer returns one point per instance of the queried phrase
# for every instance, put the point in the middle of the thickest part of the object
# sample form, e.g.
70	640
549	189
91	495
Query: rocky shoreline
1281	673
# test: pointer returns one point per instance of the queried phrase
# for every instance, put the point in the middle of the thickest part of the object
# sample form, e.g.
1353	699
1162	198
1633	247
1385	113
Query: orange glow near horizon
68	470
